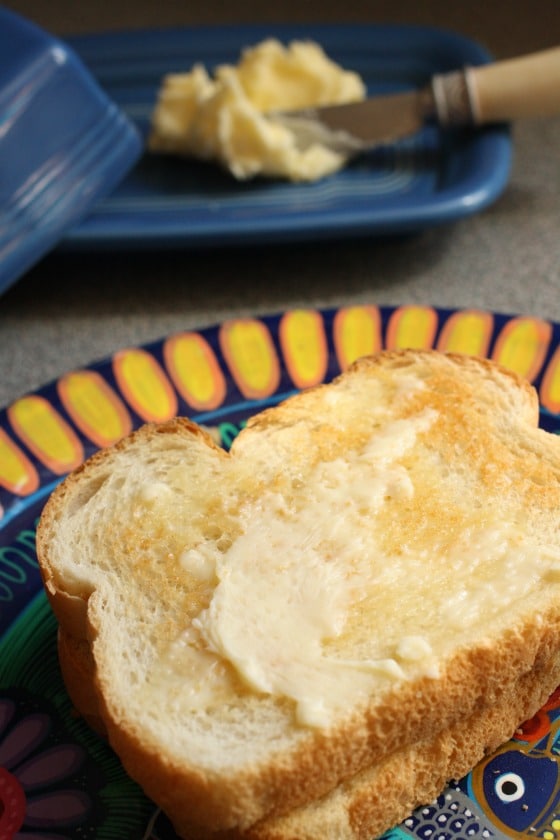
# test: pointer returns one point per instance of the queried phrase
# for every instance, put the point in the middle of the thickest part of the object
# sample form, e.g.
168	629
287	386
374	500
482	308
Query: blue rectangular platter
431	178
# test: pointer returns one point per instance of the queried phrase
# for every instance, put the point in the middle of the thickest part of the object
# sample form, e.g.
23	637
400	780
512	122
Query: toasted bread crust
517	668
363	805
385	794
70	608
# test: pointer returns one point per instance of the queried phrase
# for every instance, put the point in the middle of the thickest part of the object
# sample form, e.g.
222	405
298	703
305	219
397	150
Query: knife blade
501	91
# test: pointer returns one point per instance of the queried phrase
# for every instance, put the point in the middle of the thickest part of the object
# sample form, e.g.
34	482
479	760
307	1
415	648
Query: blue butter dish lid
64	144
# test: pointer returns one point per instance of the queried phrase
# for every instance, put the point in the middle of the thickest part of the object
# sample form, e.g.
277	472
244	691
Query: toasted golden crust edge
182	790
377	797
385	795
70	609
472	678
407	356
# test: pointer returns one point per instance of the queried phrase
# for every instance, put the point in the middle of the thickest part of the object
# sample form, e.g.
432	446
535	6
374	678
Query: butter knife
523	87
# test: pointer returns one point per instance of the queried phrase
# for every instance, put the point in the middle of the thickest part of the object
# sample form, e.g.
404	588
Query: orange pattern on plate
94	407
468	331
412	326
356	333
304	346
195	371
550	385
250	354
17	473
51	439
522	346
145	385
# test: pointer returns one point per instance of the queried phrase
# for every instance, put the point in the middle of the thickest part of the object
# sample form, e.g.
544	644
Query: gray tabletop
70	310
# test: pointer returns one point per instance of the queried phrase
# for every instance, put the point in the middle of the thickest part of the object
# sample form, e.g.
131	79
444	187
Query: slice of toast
279	634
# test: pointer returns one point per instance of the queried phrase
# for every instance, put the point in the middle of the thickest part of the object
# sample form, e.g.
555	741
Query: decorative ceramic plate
431	178
57	779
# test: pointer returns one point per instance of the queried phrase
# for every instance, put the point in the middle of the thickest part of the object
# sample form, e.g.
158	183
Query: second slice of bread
372	569
362	806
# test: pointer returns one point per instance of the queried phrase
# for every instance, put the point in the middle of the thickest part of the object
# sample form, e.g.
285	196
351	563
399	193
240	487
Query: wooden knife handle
528	86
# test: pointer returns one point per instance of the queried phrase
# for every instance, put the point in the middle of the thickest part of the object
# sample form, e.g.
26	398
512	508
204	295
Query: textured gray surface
71	310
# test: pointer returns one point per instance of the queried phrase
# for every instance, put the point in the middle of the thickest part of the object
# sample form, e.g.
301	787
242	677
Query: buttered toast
362	806
323	625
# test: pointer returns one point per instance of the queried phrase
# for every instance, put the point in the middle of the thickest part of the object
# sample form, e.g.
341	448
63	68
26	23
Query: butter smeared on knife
523	87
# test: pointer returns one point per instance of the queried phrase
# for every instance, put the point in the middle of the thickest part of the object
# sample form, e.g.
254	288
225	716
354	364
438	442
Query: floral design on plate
58	780
41	776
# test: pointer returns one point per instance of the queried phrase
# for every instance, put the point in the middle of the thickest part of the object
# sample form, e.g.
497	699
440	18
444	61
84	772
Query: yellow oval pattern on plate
412	326
195	371
356	332
467	332
550	386
17	473
250	354
144	385
94	407
304	346
41	428
522	346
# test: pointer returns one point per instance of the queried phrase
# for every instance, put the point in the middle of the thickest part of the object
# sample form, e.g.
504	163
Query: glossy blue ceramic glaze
63	143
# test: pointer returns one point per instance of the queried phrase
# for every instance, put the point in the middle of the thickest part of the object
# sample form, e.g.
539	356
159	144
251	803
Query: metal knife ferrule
455	99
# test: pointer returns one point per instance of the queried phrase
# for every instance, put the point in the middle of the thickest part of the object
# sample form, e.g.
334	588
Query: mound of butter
229	118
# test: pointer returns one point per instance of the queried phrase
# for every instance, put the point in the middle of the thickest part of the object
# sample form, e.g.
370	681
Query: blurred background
504	26
72	309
